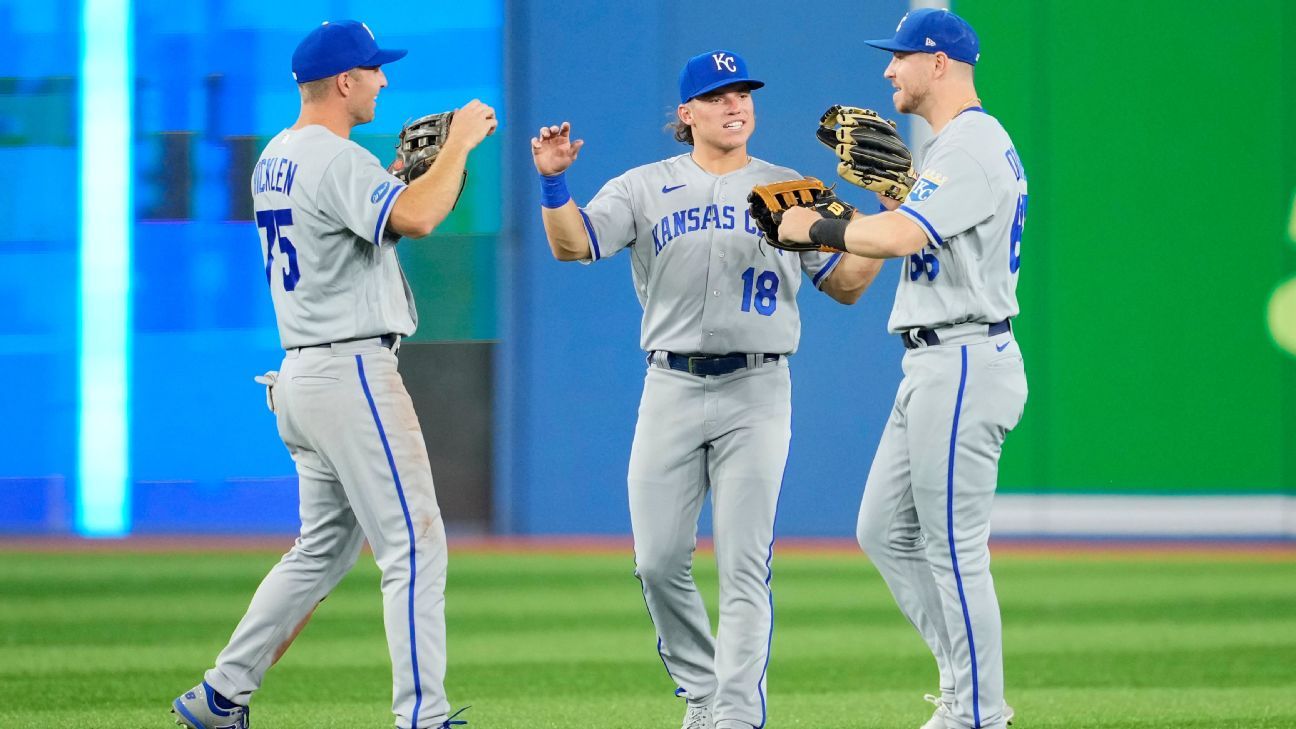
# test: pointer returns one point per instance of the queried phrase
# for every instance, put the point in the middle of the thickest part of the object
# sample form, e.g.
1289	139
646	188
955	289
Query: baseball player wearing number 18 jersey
720	320
925	516
330	217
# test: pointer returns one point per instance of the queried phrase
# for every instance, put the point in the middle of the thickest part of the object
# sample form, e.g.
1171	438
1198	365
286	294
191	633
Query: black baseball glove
871	151
769	201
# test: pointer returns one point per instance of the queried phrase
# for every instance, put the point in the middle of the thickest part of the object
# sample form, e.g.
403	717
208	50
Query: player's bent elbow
565	250
849	297
410	226
563	254
416	230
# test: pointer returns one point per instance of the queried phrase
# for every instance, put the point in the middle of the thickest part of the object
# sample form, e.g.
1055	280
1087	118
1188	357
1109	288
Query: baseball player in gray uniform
329	216
720	321
925	516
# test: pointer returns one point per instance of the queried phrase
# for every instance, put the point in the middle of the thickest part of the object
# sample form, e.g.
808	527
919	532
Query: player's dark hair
683	132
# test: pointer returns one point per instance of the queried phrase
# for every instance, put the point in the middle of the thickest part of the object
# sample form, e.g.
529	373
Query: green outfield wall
1158	139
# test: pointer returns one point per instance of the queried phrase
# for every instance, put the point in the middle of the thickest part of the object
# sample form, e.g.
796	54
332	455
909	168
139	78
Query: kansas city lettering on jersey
274	174
688	220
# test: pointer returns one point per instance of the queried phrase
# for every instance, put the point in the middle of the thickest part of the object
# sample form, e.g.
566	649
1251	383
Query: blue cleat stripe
179	707
210	694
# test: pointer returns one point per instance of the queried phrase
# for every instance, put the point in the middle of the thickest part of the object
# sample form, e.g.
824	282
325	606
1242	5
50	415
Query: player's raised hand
471	124
554	151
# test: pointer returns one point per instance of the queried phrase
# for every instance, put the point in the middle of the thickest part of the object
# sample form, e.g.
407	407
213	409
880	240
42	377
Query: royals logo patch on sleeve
929	183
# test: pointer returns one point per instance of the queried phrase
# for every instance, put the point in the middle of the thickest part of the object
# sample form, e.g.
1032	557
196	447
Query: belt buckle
691	360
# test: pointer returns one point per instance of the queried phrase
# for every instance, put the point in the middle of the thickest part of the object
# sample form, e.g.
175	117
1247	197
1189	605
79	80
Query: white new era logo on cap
930	42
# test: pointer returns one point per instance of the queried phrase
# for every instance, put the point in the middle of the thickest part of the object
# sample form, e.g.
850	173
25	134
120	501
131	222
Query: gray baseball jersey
322	207
707	287
971	202
925	516
704	284
322	204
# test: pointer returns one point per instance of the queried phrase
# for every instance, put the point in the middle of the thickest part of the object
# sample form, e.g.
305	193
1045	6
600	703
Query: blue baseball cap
338	46
928	30
709	71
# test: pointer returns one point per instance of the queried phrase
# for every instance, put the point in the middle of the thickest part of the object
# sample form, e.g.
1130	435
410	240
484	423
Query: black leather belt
712	365
931	338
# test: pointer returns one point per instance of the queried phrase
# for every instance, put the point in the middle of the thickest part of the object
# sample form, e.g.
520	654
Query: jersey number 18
760	291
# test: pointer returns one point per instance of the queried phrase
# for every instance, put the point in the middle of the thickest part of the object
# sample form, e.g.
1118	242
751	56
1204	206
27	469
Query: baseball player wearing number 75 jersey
720	320
330	217
925	516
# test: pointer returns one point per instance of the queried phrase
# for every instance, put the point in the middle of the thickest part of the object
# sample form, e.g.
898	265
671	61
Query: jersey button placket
710	313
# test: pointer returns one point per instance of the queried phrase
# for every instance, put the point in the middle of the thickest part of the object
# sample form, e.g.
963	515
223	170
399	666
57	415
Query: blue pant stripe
409	527
769	643
949	521
644	588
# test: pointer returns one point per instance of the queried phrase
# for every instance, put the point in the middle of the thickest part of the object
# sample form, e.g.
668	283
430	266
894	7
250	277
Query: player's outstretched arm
553	151
885	235
431	197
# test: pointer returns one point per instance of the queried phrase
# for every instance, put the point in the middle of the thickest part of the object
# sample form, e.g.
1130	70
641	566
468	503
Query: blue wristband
553	190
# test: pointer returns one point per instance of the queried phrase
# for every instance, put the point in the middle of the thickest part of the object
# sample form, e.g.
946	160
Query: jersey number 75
275	222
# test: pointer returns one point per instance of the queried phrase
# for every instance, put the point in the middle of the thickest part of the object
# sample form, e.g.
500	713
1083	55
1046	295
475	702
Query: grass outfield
561	639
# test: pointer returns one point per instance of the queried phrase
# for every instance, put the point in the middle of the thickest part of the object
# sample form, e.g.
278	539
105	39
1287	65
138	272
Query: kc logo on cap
725	62
709	71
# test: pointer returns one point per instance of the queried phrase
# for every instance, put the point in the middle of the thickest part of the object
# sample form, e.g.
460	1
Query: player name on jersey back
275	174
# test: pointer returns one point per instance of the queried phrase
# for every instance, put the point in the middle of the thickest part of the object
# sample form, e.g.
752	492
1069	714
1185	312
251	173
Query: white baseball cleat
937	720
197	708
698	716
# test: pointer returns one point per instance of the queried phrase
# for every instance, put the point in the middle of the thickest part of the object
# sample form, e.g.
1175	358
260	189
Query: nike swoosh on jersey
666	189
1002	347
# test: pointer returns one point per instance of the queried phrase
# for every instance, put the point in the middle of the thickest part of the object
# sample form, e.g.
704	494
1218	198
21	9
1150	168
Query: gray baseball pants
728	435
925	516
363	470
